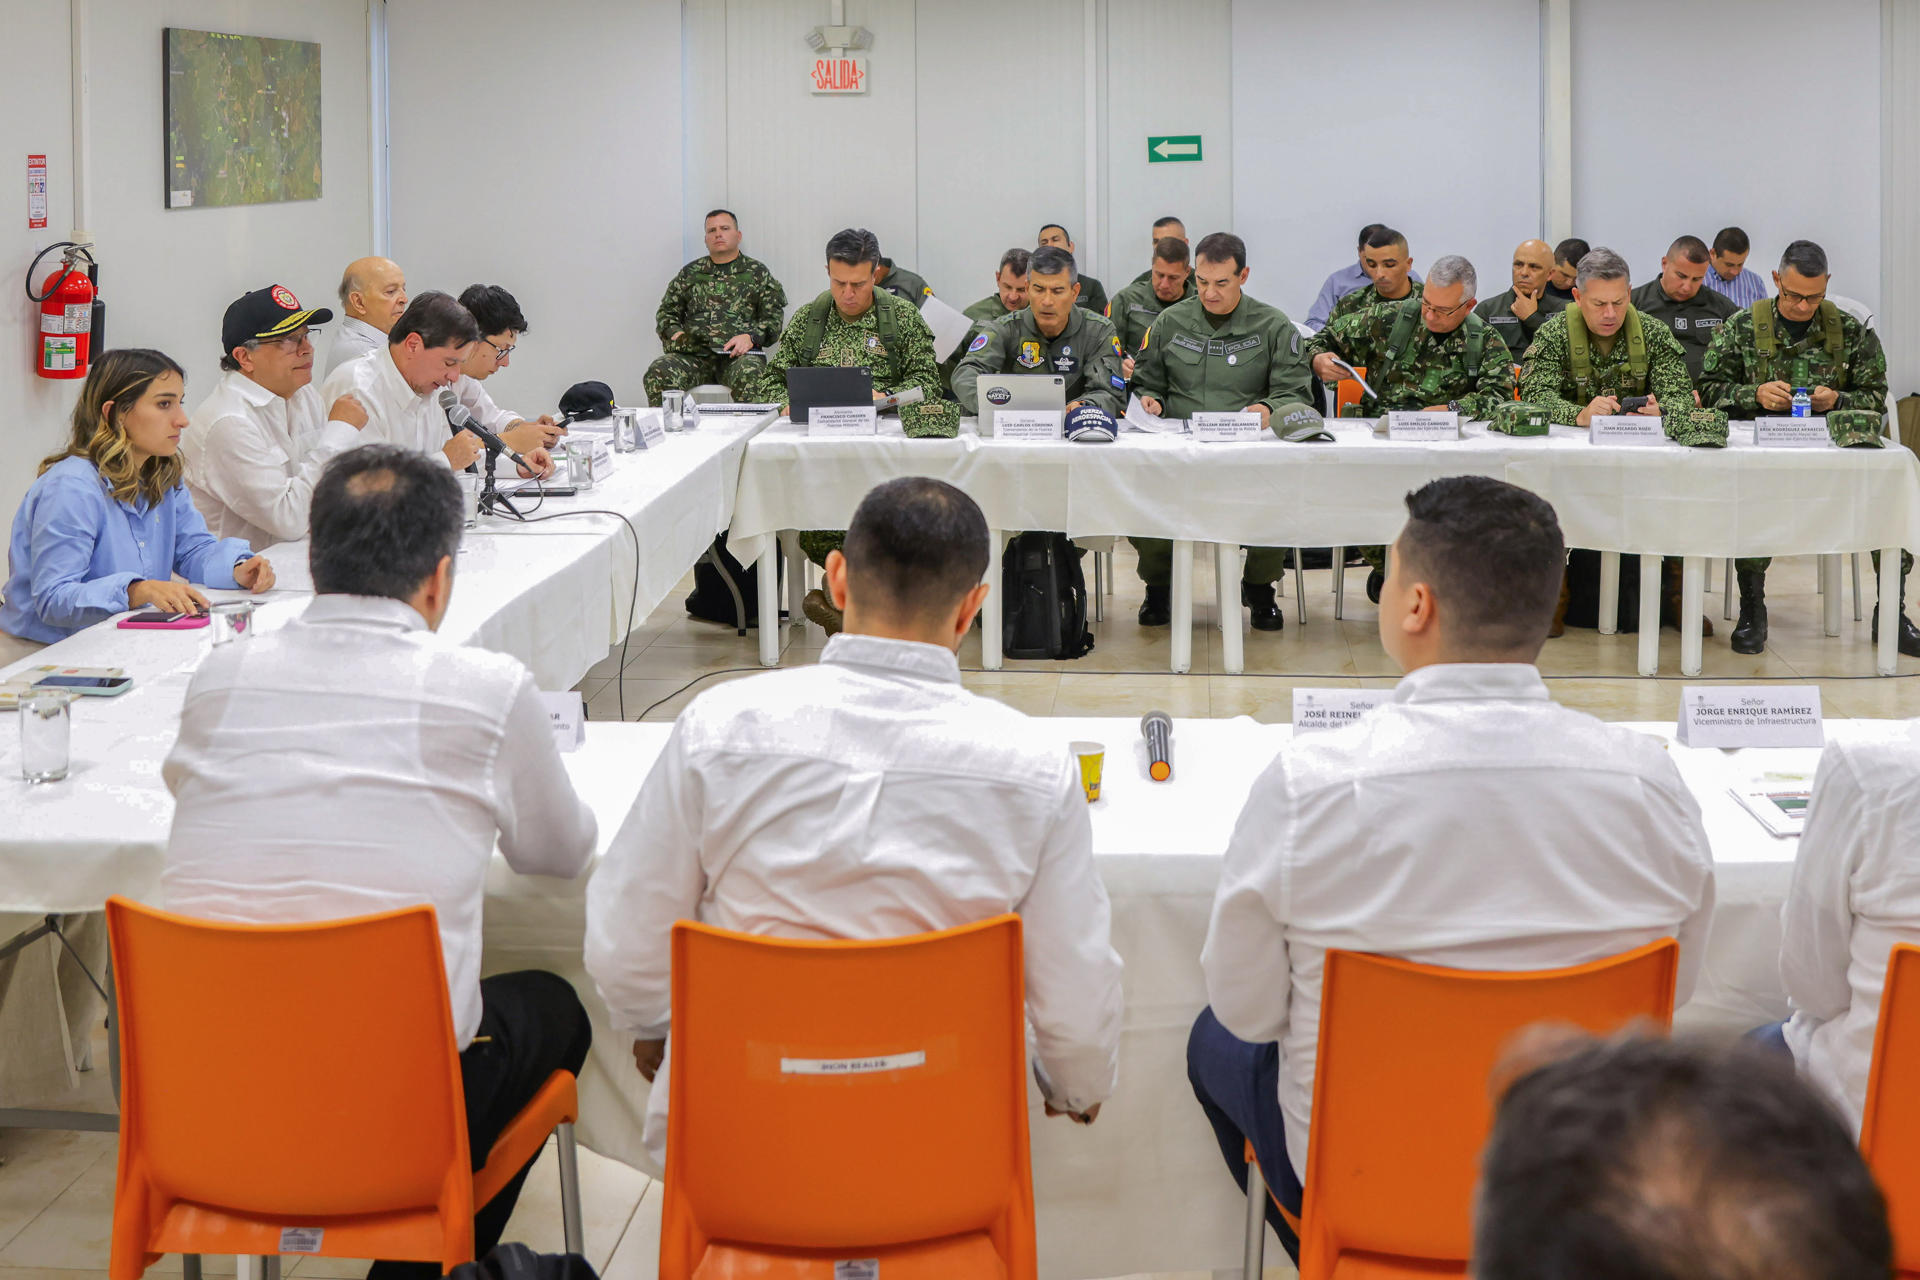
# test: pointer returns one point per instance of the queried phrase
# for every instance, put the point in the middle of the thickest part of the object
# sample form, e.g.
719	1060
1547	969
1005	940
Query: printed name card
647	431
1227	428
1751	716
1027	425
1791	433
567	718
846	420
1626	428
1332	708
1421	428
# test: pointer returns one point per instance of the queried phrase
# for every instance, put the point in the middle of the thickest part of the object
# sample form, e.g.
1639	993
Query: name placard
567	717
1774	715
846	420
1421	428
1791	433
1627	428
1330	708
1027	424
647	431
1227	428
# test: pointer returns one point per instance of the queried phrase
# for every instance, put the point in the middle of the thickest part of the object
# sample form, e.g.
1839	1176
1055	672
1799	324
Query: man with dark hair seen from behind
802	803
1693	314
1642	1158
1730	277
1471	776
1347	279
1566	261
715	311
353	762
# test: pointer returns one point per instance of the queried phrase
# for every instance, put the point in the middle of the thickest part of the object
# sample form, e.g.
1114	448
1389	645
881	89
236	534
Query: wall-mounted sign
839	75
1174	149
36	192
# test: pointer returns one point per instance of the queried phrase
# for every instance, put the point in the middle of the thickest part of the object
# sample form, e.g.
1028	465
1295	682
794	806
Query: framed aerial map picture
243	119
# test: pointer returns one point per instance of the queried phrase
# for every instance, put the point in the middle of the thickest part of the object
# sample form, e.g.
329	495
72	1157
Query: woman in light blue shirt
108	523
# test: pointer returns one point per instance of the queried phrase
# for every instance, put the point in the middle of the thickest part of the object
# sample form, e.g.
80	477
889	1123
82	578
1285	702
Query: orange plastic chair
295	1089
1893	1105
1400	1103
1347	391
848	1102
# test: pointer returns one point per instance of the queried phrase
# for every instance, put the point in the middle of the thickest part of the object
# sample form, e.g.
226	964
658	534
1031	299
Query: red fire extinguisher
71	313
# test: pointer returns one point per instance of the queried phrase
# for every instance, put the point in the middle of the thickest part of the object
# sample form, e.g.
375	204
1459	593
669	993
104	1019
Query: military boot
1908	636
1750	632
1671	571
1263	609
822	611
1154	610
1375	581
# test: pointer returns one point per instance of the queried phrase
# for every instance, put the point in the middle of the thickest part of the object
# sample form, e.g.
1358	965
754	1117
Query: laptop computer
827	387
1020	393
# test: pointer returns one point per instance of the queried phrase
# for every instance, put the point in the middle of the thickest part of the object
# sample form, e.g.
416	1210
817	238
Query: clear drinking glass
470	484
232	620
46	734
580	463
673	410
626	429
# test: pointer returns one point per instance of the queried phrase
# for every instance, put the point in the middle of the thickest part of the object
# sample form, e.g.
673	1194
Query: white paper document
950	326
1355	375
1140	420
1791	433
1770	715
1777	800
1626	428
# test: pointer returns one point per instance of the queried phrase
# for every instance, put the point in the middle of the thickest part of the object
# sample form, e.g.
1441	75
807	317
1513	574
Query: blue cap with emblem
1090	424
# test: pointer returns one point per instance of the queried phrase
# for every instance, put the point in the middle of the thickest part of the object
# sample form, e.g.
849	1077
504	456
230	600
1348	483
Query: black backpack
712	599
1045	595
518	1262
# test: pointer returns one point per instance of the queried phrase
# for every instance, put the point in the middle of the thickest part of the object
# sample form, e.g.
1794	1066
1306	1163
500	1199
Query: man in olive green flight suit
1093	294
902	283
1167	228
1677	300
1218	352
1051	335
1136	307
1010	294
715	311
1517	314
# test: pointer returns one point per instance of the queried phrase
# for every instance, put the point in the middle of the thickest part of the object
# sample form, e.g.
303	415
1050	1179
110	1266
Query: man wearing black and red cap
256	445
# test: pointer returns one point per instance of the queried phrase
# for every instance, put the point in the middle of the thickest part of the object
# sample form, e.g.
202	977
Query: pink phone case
132	623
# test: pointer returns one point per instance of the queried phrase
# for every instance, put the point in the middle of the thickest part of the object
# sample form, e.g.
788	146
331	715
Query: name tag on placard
848	420
1626	428
1331	708
647	431
1772	715
1422	427
567	718
1227	428
1027	425
1791	433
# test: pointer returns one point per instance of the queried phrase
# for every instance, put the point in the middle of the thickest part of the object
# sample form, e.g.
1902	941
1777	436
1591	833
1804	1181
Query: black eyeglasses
499	352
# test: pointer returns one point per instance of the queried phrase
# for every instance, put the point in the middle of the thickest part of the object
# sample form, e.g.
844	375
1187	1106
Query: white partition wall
1419	115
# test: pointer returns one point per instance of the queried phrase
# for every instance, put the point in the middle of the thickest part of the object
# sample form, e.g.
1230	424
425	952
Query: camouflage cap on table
1855	427
1521	418
1700	428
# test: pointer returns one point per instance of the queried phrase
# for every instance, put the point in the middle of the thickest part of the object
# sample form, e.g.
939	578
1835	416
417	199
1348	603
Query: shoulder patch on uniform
1119	383
927	289
1116	344
1296	342
979	343
1030	355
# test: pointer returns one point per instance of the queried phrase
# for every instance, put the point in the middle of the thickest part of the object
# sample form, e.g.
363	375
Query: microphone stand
491	499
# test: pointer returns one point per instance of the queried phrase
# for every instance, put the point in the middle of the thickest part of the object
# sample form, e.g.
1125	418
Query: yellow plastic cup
1092	757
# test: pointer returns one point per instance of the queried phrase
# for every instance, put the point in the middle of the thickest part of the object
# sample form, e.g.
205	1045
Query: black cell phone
1633	404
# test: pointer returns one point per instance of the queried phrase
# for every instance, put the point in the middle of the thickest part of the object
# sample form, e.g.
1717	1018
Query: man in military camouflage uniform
1051	335
1386	260
715	311
1677	300
1134	309
1093	294
1517	314
1763	352
1427	352
855	324
902	283
1219	352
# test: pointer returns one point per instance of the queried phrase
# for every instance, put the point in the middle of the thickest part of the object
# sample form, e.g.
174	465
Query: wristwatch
1453	406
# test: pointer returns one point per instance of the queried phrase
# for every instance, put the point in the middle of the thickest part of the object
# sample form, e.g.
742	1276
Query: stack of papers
1138	419
1777	800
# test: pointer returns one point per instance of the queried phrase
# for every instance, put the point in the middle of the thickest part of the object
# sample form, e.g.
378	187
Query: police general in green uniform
1427	352
1052	335
1219	352
1799	339
1136	307
1693	313
716	310
1517	314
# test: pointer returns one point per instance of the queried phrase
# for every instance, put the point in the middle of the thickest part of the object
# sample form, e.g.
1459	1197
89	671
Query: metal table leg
1830	602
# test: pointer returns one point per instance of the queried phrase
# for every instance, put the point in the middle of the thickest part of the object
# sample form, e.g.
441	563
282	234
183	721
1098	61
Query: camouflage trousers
815	543
1758	564
677	371
1265	565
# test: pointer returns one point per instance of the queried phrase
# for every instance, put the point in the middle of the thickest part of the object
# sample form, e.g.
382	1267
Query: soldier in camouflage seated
715	311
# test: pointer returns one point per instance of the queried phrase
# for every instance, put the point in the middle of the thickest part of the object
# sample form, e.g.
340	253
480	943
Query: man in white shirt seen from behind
255	446
354	762
1470	822
501	326
399	383
869	796
373	294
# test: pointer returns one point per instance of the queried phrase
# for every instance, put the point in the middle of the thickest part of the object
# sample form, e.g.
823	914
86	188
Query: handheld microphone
458	420
1157	728
912	395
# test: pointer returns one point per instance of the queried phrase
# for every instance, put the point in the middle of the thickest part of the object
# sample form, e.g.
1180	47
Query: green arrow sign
1180	147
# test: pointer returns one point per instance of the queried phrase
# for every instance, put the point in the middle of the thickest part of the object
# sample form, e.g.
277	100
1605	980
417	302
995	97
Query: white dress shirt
354	762
478	403
353	339
1470	822
1853	896
252	459
396	413
869	796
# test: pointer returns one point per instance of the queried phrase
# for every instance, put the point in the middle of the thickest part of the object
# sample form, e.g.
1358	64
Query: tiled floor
56	1189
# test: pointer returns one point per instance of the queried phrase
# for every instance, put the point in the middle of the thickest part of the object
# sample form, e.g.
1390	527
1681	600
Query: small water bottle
1802	403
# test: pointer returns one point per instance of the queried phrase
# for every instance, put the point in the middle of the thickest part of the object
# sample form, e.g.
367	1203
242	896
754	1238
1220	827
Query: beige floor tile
48	1273
640	694
37	1166
1318	652
638	1255
72	1231
1130	695
609	1194
670	708
1619	699
684	663
1877	699
1033	693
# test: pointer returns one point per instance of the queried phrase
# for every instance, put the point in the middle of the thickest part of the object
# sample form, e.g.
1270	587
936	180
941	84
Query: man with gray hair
1600	351
373	295
1428	351
1049	335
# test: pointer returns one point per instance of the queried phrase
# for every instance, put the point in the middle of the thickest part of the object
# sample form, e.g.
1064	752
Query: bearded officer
1051	335
1219	352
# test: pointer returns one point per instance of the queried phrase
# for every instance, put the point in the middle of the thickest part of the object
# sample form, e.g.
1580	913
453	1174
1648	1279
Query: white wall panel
1899	317
1777	132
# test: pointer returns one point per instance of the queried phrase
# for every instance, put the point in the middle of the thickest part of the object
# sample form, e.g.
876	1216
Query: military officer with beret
1765	352
1518	313
1219	352
715	311
1676	299
1051	335
1135	307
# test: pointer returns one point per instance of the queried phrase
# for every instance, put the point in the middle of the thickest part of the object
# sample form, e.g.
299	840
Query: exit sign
1179	147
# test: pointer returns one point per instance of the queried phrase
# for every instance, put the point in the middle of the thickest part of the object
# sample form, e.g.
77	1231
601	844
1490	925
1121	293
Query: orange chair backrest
1347	392
1890	1125
1400	1100
838	1094
306	1070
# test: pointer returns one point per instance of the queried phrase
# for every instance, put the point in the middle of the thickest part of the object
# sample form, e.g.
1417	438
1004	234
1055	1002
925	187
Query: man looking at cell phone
1600	352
